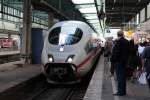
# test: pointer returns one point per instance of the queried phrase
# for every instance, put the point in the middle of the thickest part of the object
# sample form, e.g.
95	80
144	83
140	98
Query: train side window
88	47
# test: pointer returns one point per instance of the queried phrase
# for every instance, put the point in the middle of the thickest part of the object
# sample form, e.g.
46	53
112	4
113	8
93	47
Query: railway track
38	89
61	92
47	91
9	58
55	92
64	92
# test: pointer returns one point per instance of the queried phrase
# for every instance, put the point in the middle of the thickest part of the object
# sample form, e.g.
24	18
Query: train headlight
50	58
70	59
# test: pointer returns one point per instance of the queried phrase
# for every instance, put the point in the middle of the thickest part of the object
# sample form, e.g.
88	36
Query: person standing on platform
108	48
102	47
141	48
112	67
121	55
146	63
133	61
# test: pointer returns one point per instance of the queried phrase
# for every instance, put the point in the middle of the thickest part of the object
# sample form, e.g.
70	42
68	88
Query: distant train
69	52
6	42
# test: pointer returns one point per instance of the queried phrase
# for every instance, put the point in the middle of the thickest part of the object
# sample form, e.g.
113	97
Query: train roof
82	25
71	22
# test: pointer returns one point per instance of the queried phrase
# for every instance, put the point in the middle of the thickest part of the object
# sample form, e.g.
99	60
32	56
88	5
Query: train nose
60	71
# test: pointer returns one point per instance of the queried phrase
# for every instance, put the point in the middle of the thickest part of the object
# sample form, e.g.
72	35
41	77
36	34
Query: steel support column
26	35
50	19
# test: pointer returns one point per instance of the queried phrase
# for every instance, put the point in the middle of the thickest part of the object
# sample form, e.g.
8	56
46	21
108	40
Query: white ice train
69	52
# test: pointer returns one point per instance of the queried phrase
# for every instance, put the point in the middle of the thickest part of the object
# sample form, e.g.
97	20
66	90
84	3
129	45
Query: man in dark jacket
120	56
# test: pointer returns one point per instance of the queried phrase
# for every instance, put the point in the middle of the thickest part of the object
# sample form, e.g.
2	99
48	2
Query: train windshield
65	36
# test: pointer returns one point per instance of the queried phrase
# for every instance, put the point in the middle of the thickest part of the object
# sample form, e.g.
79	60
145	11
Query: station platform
3	53
17	75
102	86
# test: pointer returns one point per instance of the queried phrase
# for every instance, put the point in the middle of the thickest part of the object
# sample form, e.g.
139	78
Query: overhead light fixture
88	10
96	24
93	21
82	1
92	14
91	17
97	27
79	6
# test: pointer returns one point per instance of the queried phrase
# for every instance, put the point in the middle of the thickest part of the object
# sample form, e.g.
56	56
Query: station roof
82	10
119	12
89	10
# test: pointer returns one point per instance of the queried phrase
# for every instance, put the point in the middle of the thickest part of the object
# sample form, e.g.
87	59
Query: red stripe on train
88	58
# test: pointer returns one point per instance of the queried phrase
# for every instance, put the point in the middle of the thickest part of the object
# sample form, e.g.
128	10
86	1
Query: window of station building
12	18
55	20
65	36
9	18
137	19
5	16
3	35
21	14
17	20
35	25
16	13
8	26
35	19
5	9
142	15
148	11
44	27
16	41
0	6
42	22
46	23
0	15
9	10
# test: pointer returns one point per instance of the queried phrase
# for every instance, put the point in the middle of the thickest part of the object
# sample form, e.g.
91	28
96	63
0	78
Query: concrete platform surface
18	75
10	66
2	53
102	86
